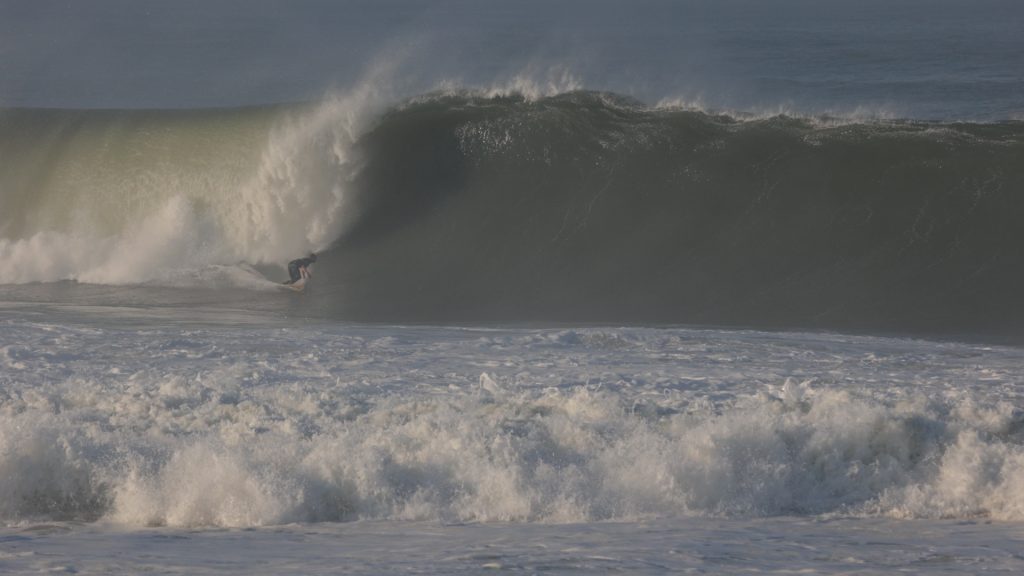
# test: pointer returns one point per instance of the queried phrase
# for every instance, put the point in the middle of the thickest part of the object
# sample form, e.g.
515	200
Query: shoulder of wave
828	119
832	118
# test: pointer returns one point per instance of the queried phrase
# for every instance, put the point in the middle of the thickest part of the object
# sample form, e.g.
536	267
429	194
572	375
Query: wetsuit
295	268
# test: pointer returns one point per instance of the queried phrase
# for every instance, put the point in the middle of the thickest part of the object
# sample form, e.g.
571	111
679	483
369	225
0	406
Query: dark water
578	208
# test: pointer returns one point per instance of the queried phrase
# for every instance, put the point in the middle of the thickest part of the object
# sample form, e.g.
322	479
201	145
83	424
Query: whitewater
577	449
646	287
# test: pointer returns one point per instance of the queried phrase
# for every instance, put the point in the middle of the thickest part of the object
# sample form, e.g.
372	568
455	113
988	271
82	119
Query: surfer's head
312	257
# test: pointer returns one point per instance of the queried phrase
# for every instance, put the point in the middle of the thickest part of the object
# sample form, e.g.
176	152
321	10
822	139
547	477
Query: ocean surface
644	287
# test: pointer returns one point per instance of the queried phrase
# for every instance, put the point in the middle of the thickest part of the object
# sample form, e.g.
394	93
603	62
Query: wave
578	206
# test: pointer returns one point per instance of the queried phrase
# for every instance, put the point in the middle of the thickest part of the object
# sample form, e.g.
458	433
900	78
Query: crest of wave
532	84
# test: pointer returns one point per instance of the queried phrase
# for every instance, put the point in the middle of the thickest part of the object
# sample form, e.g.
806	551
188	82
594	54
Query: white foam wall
254	427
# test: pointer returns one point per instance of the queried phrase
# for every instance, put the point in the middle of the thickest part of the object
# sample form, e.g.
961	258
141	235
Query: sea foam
242	427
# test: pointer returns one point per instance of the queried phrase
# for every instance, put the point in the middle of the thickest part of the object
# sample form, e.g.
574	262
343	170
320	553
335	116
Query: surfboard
296	286
299	284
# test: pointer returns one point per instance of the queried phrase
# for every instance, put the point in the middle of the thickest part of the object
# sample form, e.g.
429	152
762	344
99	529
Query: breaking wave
579	206
132	197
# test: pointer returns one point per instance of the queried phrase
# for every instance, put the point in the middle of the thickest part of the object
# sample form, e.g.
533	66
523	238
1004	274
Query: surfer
299	268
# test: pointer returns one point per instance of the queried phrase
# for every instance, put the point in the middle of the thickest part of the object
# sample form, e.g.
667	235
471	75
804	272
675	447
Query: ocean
602	286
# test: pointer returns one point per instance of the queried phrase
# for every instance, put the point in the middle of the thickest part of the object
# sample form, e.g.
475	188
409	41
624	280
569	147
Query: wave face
575	207
582	207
